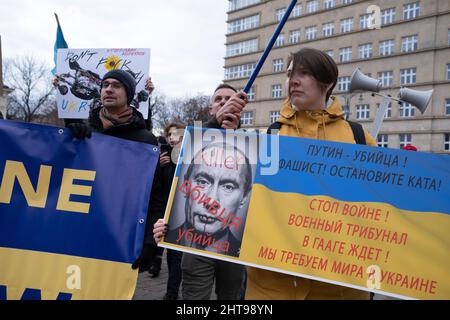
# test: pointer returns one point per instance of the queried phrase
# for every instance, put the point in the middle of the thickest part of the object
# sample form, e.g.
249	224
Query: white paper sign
80	72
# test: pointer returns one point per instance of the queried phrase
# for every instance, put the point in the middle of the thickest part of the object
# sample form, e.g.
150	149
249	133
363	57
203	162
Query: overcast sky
186	38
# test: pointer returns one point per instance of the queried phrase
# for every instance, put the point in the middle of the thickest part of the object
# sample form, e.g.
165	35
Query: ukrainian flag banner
72	213
369	218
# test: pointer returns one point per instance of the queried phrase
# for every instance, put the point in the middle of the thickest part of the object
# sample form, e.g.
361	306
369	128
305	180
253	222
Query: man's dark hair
317	63
224	86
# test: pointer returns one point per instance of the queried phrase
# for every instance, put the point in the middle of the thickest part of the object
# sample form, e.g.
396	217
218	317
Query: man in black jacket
115	117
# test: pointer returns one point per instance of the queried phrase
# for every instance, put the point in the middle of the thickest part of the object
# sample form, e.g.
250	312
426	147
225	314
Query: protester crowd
310	111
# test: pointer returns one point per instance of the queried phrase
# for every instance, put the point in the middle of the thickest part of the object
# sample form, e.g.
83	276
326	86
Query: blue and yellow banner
373	219
72	213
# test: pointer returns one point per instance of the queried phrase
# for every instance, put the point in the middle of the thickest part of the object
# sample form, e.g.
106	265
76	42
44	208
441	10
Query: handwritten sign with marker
80	71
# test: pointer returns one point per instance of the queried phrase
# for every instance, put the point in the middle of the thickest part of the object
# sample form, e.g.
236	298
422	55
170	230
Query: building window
406	110
312	6
237	4
294	37
243	47
247	118
330	53
343	83
364	21
405	139
346	1
410	43
386	78
274	115
240	71
383	141
448	71
407	76
297	11
251	94
387	16
447	107
328	29
386	47
280	13
243	24
447	142
328	4
347	25
411	11
345	54
278	65
448	37
280	40
365	51
362	111
311	33
277	91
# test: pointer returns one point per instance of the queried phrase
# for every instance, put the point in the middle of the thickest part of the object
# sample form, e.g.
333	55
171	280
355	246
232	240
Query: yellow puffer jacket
329	125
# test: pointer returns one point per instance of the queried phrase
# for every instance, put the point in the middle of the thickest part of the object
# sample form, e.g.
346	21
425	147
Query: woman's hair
317	63
173	125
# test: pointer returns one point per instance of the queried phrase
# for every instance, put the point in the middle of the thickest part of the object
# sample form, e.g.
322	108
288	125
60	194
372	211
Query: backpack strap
274	126
357	129
358	132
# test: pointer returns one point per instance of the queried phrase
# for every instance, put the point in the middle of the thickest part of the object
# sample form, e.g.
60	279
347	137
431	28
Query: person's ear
243	201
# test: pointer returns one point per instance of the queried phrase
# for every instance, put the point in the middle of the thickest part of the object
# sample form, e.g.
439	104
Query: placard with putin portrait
211	191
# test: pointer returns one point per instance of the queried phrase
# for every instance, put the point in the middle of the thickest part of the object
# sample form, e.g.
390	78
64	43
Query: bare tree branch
33	91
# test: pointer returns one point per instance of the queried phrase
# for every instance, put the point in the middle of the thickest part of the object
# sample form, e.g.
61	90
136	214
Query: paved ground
149	288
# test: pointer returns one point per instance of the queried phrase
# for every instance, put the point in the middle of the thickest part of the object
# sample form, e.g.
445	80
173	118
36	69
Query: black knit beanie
126	79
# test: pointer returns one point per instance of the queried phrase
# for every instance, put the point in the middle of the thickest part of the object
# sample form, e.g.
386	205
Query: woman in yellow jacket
309	112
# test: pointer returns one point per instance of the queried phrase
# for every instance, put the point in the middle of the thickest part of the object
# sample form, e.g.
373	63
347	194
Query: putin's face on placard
221	178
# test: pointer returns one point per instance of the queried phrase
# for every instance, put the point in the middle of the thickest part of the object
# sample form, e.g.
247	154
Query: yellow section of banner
365	245
52	274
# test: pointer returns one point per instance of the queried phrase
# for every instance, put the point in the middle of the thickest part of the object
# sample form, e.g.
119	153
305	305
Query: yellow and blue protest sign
373	219
72	213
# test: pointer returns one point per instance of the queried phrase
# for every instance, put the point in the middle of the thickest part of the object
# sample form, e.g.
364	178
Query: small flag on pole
59	43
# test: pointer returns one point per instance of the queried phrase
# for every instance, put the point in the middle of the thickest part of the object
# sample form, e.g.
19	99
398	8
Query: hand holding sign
233	106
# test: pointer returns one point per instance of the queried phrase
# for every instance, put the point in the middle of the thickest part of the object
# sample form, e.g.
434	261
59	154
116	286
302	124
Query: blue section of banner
112	229
414	181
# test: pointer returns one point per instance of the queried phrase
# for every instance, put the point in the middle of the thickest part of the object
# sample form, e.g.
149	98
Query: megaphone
419	99
360	81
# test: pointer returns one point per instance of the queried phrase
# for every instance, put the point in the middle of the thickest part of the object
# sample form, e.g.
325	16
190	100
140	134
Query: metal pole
269	46
380	116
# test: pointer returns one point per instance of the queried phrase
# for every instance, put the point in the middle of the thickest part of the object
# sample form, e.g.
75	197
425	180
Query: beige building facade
409	48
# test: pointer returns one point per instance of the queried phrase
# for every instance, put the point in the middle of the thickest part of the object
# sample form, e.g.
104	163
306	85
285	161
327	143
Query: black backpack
358	131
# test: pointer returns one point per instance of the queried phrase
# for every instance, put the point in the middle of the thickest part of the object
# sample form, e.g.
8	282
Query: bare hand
149	86
55	82
159	230
234	105
164	159
231	121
